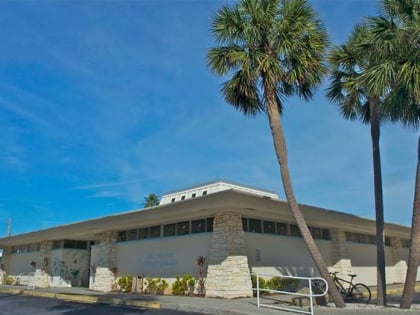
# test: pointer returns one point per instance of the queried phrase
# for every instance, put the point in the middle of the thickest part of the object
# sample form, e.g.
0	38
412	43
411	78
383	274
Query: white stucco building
239	229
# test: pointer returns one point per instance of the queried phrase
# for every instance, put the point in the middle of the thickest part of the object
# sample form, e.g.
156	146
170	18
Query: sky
104	102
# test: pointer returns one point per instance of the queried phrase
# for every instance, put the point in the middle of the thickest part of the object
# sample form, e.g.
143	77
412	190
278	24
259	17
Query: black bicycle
358	293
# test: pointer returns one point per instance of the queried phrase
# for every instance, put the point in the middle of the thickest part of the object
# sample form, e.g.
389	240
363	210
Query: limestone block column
339	255
228	274
399	265
5	261
43	275
107	263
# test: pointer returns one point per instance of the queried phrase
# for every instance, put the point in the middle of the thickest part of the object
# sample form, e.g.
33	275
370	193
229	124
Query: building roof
249	205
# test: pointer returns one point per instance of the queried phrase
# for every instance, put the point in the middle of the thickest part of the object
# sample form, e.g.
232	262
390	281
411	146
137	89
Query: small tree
151	201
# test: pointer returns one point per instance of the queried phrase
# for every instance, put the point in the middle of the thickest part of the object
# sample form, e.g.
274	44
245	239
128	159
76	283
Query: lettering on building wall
160	260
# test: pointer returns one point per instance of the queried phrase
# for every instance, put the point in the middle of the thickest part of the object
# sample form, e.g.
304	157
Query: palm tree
151	201
396	41
272	49
348	63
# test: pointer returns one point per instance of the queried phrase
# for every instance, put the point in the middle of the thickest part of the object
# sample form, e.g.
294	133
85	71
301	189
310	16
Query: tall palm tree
351	93
272	49
396	42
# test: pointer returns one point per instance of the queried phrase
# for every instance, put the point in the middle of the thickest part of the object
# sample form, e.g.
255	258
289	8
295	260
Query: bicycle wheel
360	293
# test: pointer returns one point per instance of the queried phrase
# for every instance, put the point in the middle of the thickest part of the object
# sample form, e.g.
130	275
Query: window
81	245
269	227
198	226
326	234
282	228
209	222
34	247
254	225
132	235
245	224
173	200
204	192
69	244
316	232
143	233
183	198
122	236
155	231
405	243
193	195
387	241
57	244
169	230
183	228
294	230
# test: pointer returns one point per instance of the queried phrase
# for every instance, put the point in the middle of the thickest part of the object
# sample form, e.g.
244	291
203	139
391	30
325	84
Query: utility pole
9	227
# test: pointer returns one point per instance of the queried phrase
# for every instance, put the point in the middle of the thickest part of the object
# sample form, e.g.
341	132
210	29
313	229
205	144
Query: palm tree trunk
414	253
379	207
281	153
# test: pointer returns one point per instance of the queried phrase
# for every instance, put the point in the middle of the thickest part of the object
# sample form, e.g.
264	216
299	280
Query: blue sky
104	102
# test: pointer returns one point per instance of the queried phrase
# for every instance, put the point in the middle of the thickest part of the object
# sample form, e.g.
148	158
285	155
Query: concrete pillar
339	255
228	274
107	263
43	275
399	265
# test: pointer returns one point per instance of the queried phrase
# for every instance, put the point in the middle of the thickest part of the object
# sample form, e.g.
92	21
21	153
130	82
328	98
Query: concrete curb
83	298
396	291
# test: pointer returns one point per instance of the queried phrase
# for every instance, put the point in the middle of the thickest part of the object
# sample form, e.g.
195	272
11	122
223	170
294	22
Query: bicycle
359	292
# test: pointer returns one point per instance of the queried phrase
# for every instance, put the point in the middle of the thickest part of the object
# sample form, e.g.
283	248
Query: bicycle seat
352	275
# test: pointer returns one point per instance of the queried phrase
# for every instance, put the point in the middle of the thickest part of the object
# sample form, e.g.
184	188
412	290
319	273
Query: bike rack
310	295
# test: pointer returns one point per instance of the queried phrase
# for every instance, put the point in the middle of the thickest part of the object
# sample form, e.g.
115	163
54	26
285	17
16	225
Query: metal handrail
310	295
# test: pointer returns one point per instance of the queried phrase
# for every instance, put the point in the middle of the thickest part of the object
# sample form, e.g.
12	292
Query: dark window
209	222
254	225
81	244
282	228
245	224
122	236
371	239
193	195
173	200
204	192
316	232
326	234
143	233
69	244
169	230
294	230
155	231
183	228
269	227
405	243
363	238
132	235
183	198
58	244
198	226
33	247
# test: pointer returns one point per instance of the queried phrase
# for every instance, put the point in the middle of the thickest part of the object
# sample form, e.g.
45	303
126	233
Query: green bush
184	285
155	286
8	280
275	283
126	283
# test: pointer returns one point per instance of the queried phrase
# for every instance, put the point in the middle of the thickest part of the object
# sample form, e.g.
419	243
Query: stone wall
106	268
228	274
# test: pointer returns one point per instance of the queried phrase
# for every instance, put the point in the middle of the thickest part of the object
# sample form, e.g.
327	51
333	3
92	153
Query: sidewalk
242	306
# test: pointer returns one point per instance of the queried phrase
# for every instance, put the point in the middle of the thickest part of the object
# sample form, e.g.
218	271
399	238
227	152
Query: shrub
184	285
9	280
275	283
155	286
126	283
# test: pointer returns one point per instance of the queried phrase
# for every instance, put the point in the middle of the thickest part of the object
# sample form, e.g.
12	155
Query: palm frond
241	91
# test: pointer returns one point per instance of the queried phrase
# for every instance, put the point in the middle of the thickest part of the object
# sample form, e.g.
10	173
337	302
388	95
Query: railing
314	281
